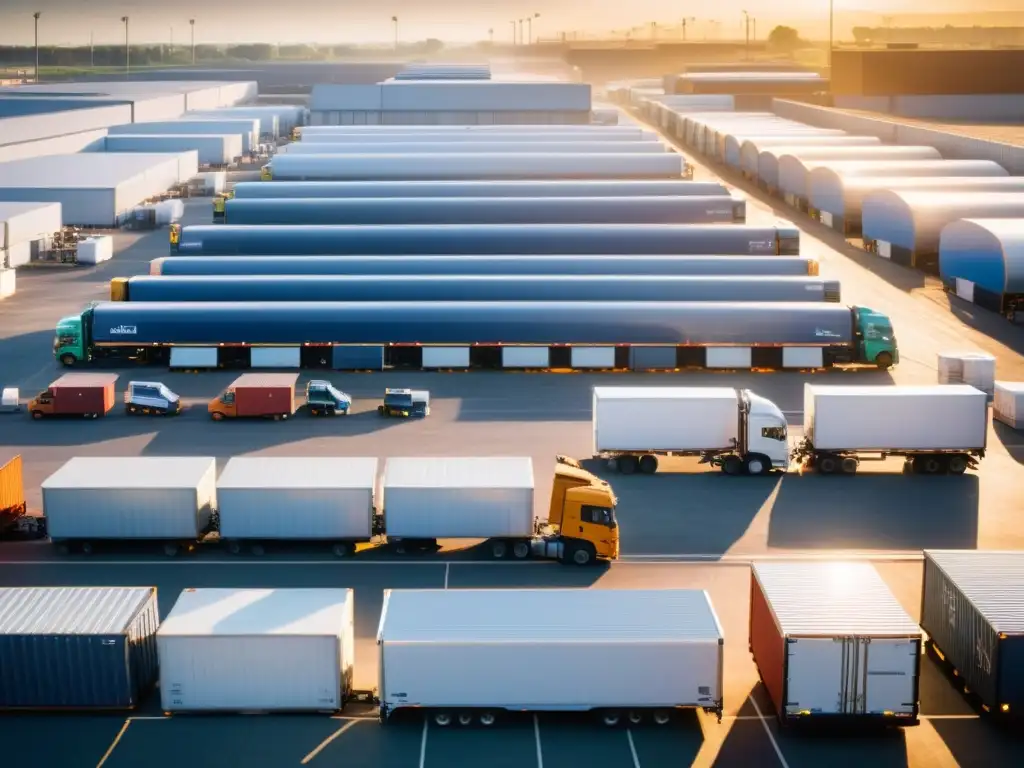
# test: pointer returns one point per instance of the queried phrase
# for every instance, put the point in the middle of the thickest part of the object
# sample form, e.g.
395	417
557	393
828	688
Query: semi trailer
732	429
538	145
364	288
730	335
938	429
782	239
691	209
412	131
440	134
486	265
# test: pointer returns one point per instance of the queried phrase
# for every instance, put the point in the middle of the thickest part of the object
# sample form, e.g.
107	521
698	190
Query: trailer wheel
442	719
499	549
635	717
466	718
927	465
171	550
883	361
661	717
611	718
521	550
344	549
957	464
732	465
628	464
86	548
827	465
648	464
257	549
487	719
234	547
849	465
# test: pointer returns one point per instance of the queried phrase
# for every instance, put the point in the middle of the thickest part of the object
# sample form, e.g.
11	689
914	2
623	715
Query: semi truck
781	334
733	429
937	430
691	209
89	395
486	265
256	395
15	522
364	288
782	239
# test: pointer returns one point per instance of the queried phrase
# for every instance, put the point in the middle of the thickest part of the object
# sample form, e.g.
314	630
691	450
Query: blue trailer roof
544	188
986	252
440	322
483	265
487	210
481	288
539	239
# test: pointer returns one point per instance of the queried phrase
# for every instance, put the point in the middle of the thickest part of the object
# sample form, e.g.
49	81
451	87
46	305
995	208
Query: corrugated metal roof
237	612
145	472
87	170
549	615
832	598
660	393
70	610
266	380
85	380
938	390
992	581
295	472
450	472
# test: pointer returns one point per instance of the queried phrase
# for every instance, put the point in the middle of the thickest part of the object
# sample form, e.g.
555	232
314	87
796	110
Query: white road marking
323	744
114	743
768	731
536	735
747	559
447	568
423	744
632	748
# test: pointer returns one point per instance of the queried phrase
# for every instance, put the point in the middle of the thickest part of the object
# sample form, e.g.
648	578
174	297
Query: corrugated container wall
247	128
972	608
77	647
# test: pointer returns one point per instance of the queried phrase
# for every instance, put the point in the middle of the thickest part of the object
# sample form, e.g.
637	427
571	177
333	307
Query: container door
814	676
890	682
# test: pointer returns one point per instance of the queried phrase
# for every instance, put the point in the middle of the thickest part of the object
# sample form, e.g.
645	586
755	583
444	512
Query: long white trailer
467	655
937	429
733	429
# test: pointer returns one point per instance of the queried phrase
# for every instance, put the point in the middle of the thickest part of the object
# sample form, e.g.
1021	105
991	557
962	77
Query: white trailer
282	498
733	429
257	650
937	429
831	642
625	655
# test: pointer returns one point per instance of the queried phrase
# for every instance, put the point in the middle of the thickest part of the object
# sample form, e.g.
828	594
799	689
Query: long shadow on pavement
980	743
1012	440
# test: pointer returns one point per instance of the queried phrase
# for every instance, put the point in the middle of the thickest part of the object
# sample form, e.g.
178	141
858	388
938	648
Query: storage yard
740	326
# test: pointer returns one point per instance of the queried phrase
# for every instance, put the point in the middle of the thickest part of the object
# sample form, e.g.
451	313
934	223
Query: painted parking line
768	731
326	742
114	743
632	748
536	735
423	744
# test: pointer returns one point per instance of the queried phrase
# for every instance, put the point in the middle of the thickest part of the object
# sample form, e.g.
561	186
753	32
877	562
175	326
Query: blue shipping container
247	190
77	647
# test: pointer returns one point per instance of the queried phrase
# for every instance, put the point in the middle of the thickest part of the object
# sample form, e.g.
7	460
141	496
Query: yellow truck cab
582	514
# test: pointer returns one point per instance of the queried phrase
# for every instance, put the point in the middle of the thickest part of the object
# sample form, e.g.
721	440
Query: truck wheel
521	550
648	464
827	465
466	718
171	550
86	548
442	719
499	549
661	717
67	360
932	465
731	465
487	719
611	718
132	410
314	412
756	465
957	464
849	465
217	416
635	716
628	465
883	361
37	415
582	554
343	549
234	547
257	549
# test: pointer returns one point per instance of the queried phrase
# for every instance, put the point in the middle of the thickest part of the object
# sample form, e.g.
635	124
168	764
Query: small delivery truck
940	429
89	395
733	429
324	399
256	395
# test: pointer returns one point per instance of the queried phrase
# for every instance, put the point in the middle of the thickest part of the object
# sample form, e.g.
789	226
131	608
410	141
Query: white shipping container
1008	404
572	144
876	418
386	136
8	282
257	650
137	497
830	639
212	149
664	418
452	498
549	649
95	250
297	498
247	128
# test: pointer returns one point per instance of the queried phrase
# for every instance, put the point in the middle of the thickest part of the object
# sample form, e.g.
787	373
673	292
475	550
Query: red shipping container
81	393
265	394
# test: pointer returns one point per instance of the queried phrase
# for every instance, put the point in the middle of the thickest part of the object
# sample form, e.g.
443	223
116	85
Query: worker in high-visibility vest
265	173
218	209
175	236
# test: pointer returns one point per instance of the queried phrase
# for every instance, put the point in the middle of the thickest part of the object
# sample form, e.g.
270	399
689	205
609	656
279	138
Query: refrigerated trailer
937	429
736	430
468	656
832	643
782	239
539	145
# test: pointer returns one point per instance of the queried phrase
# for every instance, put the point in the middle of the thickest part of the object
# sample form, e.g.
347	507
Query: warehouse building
25	231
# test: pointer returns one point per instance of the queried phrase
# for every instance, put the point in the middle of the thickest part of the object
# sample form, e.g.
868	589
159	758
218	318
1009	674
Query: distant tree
785	38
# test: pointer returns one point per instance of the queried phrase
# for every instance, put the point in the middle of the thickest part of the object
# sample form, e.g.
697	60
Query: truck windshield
400	400
878	332
774	433
598	515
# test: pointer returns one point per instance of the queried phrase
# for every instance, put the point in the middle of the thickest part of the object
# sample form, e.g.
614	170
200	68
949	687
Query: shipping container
490	239
935	71
290	498
493	96
365	288
461	498
769	162
906	225
1007	403
466	655
543	188
772	83
167	498
213	149
257	650
478	165
982	261
571	145
416	130
269	121
439	134
831	642
247	128
486	265
76	394
972	608
77	648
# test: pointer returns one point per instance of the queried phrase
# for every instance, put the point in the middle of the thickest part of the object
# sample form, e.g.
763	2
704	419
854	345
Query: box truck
733	429
89	395
256	395
629	656
937	429
831	642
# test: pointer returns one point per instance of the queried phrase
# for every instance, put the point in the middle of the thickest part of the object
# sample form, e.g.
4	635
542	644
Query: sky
71	22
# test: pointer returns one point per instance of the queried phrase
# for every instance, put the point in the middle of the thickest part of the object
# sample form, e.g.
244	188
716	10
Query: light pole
394	20
36	16
192	26
127	50
685	21
521	32
513	32
529	28
831	27
746	25
490	35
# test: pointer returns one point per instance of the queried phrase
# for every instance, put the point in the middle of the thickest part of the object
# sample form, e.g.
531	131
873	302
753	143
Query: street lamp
521	32
514	40
127	50
394	20
490	35
36	16
685	20
746	24
529	28
831	27
192	24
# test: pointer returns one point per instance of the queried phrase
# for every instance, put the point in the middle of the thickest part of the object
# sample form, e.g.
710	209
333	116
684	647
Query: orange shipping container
12	488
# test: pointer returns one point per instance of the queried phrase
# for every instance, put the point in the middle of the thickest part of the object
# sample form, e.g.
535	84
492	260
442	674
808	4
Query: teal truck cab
875	340
323	399
405	402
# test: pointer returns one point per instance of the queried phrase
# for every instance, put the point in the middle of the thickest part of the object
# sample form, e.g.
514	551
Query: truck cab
767	430
70	345
323	399
405	402
582	513
175	236
151	398
876	341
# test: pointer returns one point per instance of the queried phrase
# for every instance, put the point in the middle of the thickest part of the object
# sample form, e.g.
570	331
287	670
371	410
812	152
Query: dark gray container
357	358
652	358
77	647
973	610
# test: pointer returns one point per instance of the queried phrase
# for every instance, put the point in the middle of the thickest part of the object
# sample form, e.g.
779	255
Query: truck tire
466	718
628	465
927	465
827	464
68	360
610	718
732	465
957	464
521	550
442	719
234	547
648	464
86	548
37	415
581	554
487	718
132	410
499	549
662	717
171	549
883	361
343	549
217	416
849	465
756	465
